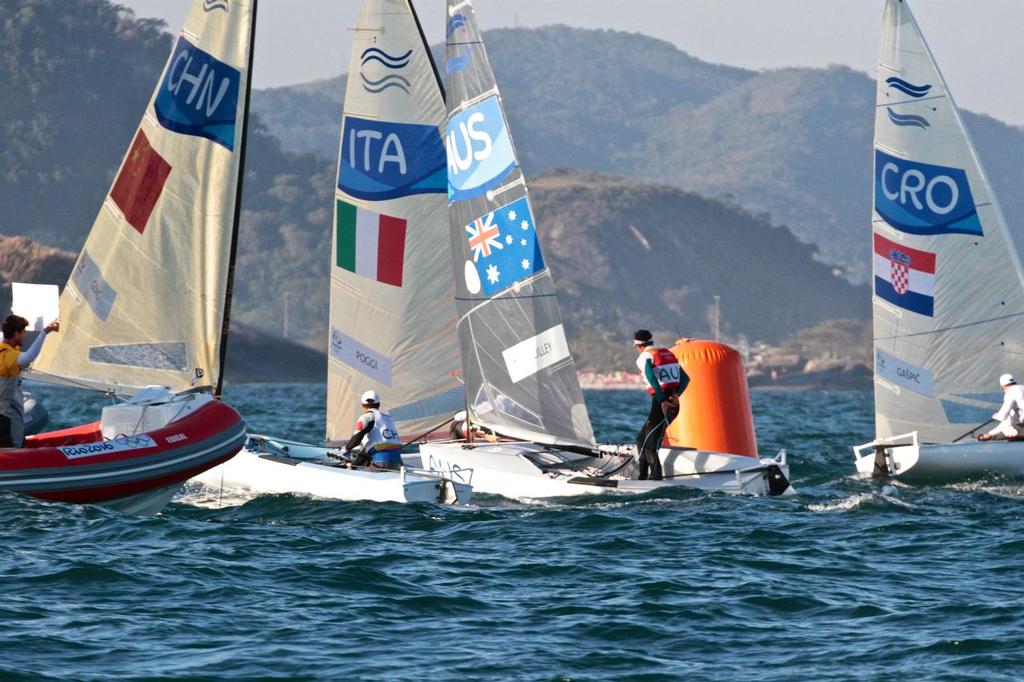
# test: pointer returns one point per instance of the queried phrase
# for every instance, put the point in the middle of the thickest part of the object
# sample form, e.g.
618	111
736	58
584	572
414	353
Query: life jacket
11	399
666	369
382	442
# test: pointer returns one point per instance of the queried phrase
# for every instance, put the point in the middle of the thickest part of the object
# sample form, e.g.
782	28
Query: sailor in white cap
376	437
1011	415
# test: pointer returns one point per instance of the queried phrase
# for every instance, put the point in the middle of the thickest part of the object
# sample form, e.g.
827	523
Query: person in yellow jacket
12	361
665	381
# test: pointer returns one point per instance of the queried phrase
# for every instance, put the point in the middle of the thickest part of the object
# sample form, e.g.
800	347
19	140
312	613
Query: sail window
171	356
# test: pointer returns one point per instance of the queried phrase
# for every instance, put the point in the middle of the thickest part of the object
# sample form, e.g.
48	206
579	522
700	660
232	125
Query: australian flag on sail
504	247
905	276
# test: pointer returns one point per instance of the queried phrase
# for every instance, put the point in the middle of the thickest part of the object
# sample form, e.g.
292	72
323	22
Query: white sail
392	319
948	304
520	377
147	301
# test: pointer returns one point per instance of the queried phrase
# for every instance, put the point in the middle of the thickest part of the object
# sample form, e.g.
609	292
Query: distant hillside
22	260
624	253
655	256
76	77
793	143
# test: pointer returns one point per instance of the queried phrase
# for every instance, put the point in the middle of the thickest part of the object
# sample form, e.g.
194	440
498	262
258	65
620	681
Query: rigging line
909	101
71	382
502	295
951	328
505	298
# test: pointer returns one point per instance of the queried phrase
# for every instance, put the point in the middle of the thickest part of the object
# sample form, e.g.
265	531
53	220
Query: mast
430	56
229	289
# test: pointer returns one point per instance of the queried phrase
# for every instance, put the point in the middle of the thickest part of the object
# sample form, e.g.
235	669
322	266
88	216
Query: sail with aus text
520	377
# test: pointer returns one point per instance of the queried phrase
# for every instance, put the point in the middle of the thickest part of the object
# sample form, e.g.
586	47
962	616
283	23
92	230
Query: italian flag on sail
370	244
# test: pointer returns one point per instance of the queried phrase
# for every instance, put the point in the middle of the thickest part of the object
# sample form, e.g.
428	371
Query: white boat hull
526	470
272	466
906	458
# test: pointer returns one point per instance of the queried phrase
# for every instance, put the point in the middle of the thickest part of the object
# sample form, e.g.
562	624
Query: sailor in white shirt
1011	415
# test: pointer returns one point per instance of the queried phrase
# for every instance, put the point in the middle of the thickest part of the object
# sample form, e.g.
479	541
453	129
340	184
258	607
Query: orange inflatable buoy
714	410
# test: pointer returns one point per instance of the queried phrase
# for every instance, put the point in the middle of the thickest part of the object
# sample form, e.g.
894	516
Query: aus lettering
475	144
453	471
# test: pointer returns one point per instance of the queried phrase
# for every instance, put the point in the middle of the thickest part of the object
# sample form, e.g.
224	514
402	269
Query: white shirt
383	435
1013	405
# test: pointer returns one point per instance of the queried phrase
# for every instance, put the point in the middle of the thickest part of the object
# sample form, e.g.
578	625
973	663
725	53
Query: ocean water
850	579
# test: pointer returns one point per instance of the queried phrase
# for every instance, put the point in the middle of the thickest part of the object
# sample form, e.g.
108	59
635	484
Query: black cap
643	336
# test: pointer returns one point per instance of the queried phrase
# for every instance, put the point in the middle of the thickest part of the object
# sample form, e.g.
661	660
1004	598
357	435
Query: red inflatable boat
137	473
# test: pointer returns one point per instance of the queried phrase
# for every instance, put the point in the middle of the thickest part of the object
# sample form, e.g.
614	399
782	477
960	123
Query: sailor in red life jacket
378	436
665	381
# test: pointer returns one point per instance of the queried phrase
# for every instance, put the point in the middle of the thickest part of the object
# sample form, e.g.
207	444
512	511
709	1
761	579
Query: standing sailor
1011	415
665	381
378	436
12	361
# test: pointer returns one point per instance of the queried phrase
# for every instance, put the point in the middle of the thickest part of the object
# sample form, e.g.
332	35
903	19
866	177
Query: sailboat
392	323
520	379
944	327
145	313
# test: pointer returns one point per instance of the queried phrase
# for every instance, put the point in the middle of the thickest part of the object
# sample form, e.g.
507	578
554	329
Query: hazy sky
977	42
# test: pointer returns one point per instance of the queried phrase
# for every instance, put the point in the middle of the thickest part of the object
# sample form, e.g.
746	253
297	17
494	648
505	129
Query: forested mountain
793	143
624	253
22	260
627	254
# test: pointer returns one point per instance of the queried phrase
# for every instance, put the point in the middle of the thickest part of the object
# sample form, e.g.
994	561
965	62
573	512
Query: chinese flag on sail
140	182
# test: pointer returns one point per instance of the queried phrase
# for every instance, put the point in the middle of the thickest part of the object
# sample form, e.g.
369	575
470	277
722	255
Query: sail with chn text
148	299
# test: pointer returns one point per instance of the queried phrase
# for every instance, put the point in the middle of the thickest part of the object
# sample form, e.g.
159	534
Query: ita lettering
479	148
383	160
922	198
199	95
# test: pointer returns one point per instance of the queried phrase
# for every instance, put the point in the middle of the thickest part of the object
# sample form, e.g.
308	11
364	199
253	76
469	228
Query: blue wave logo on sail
480	151
907	120
376	57
199	95
211	5
390	61
389	81
908	88
458	62
922	198
384	160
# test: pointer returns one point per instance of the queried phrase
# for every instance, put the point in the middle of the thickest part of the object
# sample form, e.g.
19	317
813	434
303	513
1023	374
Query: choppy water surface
850	579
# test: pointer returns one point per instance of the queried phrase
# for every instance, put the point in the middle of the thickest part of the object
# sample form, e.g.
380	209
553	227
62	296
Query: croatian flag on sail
370	244
905	276
504	248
